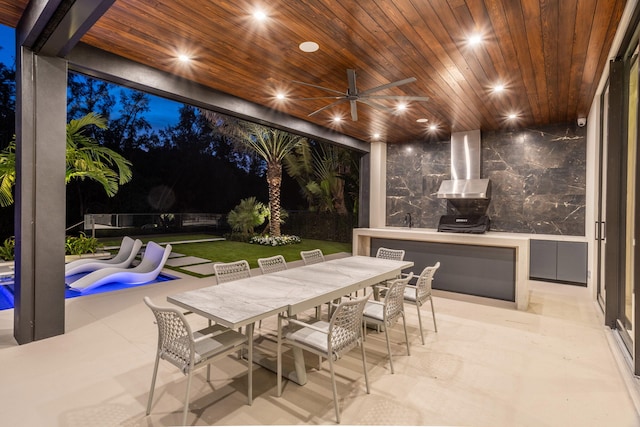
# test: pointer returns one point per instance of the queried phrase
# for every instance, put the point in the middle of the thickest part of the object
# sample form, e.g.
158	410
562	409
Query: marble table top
238	303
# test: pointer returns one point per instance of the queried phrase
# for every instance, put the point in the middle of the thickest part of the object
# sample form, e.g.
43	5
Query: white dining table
243	302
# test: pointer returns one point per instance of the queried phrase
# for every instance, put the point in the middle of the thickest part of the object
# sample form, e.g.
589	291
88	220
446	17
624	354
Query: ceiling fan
353	96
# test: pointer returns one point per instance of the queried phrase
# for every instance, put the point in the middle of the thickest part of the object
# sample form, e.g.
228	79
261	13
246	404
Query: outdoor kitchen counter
419	243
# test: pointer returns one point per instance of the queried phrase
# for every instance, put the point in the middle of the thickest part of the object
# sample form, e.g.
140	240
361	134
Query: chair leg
153	383
420	323
364	365
406	336
335	390
386	335
433	313
186	399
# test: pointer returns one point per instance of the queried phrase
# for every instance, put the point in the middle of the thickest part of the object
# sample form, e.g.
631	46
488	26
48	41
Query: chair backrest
394	254
175	339
227	272
127	248
394	300
154	258
345	326
272	264
423	286
312	257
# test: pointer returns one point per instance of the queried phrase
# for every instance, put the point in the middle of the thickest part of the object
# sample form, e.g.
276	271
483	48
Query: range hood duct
465	182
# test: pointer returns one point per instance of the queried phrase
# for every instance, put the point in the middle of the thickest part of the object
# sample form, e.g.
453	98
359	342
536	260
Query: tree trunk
274	180
338	198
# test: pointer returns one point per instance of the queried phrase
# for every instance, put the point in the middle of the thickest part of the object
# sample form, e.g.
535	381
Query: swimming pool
7	289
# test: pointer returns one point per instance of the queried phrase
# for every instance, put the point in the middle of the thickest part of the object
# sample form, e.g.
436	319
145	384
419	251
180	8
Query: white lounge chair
149	268
128	250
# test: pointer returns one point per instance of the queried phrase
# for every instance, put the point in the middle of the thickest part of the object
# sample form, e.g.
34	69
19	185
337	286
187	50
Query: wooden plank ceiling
549	54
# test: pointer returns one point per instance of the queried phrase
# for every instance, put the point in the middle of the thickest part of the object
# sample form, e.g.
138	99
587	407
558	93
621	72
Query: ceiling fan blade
399	97
354	111
388	85
317	97
375	105
333	104
351	77
318	87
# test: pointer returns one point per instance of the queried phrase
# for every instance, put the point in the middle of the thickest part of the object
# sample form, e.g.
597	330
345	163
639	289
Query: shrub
275	241
7	250
81	245
247	215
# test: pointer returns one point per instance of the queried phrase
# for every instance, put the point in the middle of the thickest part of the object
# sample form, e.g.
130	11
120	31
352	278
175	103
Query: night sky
163	111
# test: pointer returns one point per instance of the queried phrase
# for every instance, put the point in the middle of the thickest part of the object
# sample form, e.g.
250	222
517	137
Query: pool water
7	289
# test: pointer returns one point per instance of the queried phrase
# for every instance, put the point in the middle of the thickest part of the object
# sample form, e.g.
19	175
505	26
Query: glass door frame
616	199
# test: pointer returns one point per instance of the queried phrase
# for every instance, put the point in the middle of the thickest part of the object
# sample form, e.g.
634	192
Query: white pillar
378	196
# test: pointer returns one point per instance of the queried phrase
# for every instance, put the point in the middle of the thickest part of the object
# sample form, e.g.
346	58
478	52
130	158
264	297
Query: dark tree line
183	167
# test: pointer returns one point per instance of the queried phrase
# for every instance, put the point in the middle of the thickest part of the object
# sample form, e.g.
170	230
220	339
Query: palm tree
7	174
321	174
272	145
85	158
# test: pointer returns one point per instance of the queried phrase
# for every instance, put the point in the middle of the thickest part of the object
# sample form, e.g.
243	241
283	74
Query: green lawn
227	251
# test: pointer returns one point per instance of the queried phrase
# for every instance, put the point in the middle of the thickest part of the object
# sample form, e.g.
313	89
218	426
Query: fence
309	225
116	224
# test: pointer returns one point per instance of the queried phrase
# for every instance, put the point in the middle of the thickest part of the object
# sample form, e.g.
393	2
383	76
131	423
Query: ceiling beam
54	27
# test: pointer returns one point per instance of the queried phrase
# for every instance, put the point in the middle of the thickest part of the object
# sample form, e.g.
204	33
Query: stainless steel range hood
465	182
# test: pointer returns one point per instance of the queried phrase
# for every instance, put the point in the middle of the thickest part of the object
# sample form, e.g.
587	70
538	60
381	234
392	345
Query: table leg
249	332
298	363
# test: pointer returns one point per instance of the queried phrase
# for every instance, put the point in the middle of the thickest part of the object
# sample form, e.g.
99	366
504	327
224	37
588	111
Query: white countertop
405	231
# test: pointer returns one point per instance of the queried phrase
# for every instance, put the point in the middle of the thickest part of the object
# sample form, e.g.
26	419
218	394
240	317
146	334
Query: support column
378	195
40	195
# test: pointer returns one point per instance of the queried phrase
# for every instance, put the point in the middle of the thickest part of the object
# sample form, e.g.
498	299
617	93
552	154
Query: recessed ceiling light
498	88
376	136
337	119
259	15
401	107
280	96
475	39
433	127
422	120
512	116
184	58
309	46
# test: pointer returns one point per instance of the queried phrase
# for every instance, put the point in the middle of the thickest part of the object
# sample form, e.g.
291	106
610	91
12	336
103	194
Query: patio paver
185	260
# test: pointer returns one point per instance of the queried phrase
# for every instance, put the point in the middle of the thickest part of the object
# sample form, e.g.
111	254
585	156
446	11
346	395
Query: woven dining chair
189	351
313	256
229	271
272	264
394	254
386	313
419	294
330	340
386	253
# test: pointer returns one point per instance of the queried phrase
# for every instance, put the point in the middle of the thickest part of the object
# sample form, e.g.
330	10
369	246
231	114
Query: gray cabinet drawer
558	261
544	259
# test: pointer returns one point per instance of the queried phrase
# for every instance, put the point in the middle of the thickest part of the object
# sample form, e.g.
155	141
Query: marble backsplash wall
538	179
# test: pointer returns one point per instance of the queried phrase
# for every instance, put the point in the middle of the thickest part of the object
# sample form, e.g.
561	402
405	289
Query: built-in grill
468	196
473	224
